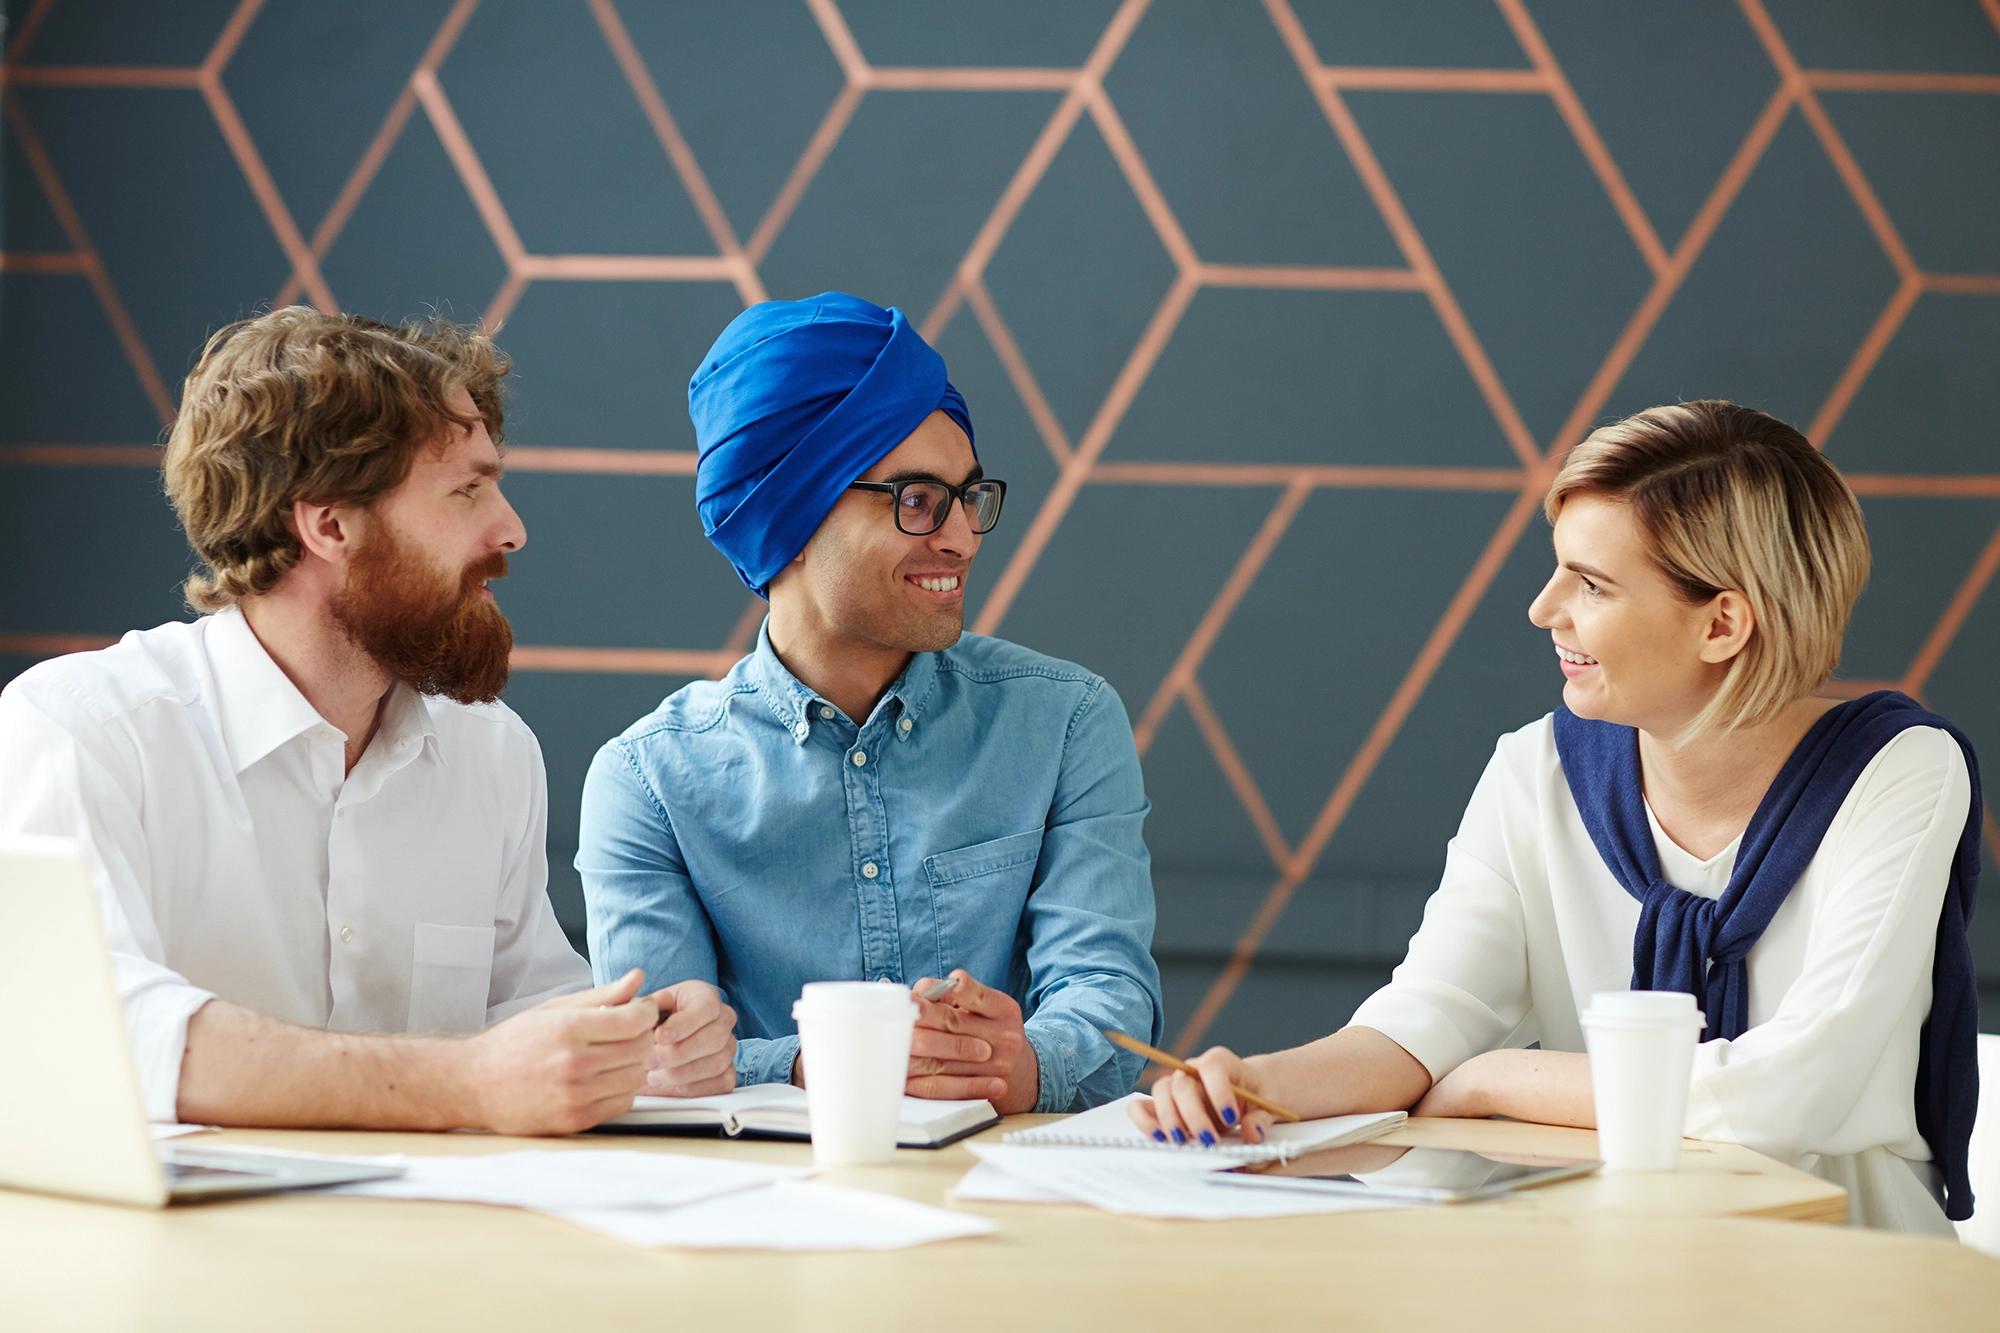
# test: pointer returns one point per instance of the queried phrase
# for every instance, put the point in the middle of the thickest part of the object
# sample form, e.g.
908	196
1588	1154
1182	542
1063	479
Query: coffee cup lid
1641	1006
853	997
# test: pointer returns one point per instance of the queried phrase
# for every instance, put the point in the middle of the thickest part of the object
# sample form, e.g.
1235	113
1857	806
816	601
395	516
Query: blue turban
796	400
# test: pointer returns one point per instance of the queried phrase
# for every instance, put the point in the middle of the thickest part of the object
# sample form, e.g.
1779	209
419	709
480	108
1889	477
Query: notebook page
728	1103
783	1096
1110	1126
924	1111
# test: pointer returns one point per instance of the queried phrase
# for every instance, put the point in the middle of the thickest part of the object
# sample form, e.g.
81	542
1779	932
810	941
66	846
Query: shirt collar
792	703
782	692
913	689
261	709
406	724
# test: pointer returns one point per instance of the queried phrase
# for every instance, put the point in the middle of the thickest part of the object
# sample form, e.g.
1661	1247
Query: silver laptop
71	1119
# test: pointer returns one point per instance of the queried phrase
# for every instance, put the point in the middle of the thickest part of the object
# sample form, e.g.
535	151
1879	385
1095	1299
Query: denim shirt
986	815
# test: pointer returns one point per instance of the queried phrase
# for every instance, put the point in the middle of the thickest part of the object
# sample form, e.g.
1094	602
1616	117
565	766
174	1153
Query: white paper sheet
992	1182
677	1199
177	1131
987	1183
1148	1184
562	1181
790	1215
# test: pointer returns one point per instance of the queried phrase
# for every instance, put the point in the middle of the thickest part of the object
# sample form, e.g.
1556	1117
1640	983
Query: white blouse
1528	923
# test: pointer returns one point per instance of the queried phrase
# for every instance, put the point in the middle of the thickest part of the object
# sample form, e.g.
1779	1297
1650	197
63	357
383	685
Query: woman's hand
1184	1108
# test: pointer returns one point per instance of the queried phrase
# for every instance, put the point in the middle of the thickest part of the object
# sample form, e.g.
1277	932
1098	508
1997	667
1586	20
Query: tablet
1417	1175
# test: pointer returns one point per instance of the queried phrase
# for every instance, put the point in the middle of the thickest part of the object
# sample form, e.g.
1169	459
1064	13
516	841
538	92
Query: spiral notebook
1109	1126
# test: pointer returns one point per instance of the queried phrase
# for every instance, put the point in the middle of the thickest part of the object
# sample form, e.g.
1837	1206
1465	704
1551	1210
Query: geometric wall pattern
1277	317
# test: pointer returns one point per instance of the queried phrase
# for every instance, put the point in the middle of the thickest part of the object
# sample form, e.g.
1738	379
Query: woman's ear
1727	624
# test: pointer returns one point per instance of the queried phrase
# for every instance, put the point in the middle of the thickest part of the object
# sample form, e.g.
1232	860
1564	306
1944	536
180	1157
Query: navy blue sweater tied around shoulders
1689	943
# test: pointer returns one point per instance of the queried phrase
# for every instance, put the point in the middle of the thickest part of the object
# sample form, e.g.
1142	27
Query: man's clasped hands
969	1043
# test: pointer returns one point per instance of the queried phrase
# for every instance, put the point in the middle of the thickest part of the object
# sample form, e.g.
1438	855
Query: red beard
436	635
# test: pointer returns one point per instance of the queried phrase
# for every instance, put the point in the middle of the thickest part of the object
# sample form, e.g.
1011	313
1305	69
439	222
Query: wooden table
1693	1249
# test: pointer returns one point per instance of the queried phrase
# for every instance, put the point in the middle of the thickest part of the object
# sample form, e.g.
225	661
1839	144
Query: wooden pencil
1160	1057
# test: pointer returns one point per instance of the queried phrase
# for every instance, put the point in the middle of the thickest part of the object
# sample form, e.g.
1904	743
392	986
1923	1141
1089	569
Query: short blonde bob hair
1730	498
298	405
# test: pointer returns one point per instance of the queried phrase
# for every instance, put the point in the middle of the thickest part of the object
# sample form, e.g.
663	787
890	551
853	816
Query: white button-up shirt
1529	923
236	858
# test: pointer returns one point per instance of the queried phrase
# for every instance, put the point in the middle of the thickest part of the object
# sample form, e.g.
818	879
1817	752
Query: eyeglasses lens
982	499
922	507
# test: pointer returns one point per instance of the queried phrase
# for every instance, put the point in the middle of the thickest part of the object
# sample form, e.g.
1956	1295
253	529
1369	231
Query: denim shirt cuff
765	1060
1057	1069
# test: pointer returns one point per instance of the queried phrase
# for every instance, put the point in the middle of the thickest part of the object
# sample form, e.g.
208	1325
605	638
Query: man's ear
1727	626
327	532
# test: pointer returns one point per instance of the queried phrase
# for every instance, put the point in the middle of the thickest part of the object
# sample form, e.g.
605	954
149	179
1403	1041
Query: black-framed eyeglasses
922	505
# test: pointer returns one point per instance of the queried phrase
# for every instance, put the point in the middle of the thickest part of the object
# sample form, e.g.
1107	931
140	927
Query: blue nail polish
1207	1139
1179	1137
1161	1136
1228	1115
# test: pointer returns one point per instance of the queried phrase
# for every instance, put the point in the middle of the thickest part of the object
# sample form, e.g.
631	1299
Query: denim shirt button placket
881	946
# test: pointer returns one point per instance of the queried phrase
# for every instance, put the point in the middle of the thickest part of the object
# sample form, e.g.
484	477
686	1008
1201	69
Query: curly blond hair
1730	497
297	405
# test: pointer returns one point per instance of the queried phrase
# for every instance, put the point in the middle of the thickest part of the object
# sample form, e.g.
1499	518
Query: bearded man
312	824
873	794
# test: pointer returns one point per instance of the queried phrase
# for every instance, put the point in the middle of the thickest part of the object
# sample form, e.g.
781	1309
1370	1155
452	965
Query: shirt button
906	724
347	934
340	813
870	869
826	711
860	758
801	730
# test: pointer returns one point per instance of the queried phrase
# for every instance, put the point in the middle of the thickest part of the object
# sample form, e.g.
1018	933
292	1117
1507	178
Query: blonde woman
1694	818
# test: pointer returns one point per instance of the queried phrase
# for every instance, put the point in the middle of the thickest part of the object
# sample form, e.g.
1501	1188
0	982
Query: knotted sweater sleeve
1791	1084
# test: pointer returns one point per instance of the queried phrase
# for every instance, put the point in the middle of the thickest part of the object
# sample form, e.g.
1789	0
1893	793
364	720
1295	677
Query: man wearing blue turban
873	794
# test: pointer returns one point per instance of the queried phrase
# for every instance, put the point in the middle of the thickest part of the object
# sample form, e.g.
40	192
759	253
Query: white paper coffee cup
1641	1047
854	1037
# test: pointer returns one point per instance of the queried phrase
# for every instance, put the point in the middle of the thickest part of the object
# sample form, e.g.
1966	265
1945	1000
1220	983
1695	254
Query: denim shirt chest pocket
978	894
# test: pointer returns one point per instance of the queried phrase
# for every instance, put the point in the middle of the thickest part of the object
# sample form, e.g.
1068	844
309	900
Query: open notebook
779	1111
1109	1126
